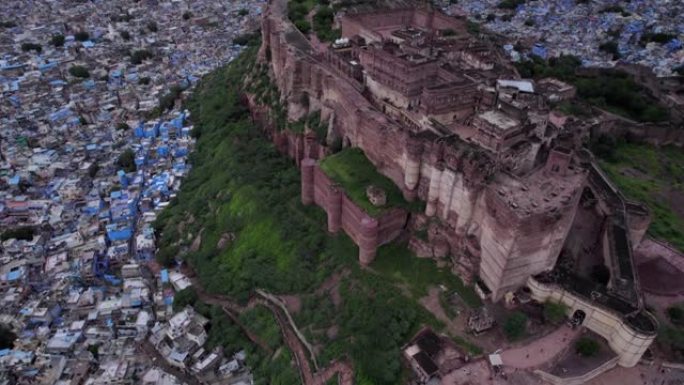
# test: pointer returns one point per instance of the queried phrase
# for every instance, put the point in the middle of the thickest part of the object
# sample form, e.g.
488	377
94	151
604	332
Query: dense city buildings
93	144
649	33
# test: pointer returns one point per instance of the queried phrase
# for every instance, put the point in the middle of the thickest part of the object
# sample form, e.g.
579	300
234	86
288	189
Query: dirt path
293	338
454	326
341	369
431	303
332	286
542	350
295	345
300	347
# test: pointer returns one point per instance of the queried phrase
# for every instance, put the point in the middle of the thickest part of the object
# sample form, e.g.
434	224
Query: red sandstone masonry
361	123
367	232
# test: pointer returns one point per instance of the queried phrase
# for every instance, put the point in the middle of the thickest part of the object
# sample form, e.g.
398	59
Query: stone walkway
540	351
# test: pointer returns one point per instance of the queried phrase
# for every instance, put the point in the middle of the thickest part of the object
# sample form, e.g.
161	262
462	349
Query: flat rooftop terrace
354	173
500	120
538	192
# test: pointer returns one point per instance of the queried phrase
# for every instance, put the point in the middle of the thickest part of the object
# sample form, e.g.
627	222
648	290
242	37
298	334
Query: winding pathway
294	339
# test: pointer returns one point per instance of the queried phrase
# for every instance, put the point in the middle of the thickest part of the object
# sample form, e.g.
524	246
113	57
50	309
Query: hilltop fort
484	175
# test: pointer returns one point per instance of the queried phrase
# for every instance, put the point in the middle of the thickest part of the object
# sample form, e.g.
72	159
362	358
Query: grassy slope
239	184
650	175
354	172
418	274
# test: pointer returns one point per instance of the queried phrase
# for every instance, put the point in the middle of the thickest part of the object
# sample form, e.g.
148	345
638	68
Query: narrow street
159	360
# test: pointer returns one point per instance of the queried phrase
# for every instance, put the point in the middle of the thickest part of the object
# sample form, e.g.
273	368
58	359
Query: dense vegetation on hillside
322	17
354	172
240	207
654	176
613	91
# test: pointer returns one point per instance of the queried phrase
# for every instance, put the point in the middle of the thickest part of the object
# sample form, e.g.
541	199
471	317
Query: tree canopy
7	337
126	161
82	36
24	233
79	72
554	312
138	56
31	47
57	40
587	347
515	326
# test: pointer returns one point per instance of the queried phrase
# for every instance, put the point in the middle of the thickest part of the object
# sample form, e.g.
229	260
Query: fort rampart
368	232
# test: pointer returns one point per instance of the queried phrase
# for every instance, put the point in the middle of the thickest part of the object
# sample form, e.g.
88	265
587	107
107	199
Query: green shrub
138	56
611	47
57	40
515	325
676	315
660	38
79	72
23	233
510	4
246	39
93	169
303	25
612	9
7	337
185	297
168	100
323	22
612	90
587	347
31	47
126	161
82	36
555	312
472	27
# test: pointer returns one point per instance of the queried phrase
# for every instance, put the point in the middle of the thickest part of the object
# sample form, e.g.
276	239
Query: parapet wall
343	214
628	342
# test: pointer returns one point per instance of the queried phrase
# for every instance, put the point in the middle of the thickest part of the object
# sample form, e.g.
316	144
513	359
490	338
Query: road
542	350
